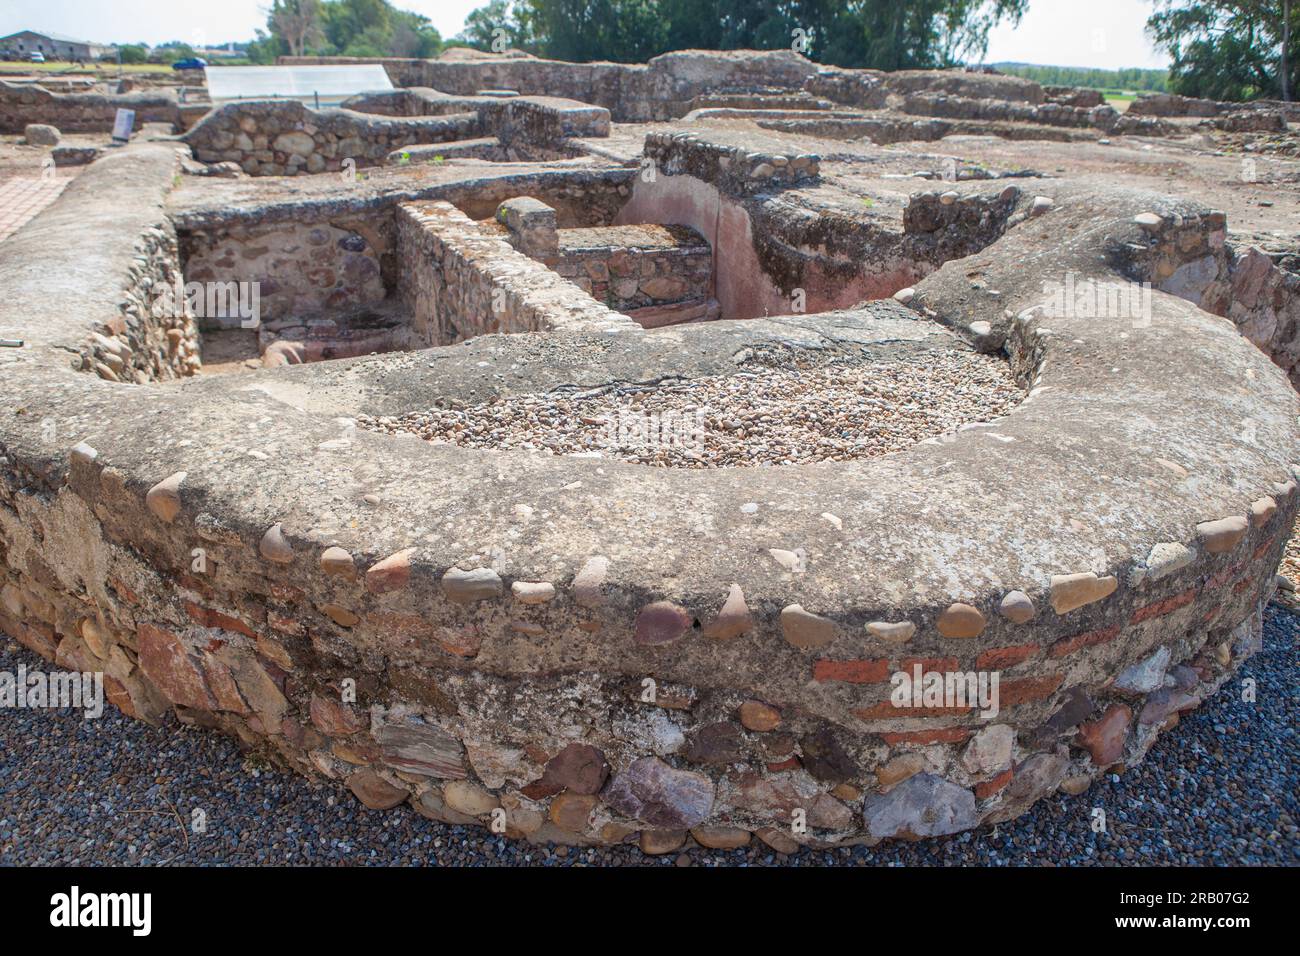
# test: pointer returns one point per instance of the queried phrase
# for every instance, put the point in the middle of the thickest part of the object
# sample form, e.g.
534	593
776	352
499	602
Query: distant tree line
885	34
1221	49
1142	81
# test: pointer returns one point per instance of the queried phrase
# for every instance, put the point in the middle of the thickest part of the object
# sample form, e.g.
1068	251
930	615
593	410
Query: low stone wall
734	169
460	282
633	93
1074	96
541	121
1172	104
634	267
874	89
123	323
772	254
964	84
1104	118
1190	257
285	137
1251	121
862	89
886	129
22	104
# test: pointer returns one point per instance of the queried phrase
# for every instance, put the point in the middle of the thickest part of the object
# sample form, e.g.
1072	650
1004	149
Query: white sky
1103	33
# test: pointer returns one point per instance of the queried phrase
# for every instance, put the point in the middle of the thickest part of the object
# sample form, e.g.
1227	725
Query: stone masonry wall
472	631
21	104
659	90
460	282
1171	104
285	137
632	267
301	269
1191	258
1103	117
156	337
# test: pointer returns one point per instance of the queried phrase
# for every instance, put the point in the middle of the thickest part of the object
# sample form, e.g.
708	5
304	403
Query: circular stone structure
586	649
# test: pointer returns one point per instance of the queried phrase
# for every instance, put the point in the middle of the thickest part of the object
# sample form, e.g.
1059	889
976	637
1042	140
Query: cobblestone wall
22	104
284	137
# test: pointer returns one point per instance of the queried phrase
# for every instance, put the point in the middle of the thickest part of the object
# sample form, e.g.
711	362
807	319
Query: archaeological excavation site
582	451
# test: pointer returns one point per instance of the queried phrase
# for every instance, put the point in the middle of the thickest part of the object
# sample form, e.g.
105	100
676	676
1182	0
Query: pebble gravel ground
1222	788
768	417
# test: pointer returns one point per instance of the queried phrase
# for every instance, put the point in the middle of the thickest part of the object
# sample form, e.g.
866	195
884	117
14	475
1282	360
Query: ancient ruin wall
634	268
284	137
301	269
633	93
21	104
772	257
461	282
1191	257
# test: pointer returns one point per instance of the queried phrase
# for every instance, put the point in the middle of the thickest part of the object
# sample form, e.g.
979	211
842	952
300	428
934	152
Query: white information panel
331	84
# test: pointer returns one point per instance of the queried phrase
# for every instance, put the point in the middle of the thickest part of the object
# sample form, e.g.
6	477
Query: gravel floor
1222	788
772	417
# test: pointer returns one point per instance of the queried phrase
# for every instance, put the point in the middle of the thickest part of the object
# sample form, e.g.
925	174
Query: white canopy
331	84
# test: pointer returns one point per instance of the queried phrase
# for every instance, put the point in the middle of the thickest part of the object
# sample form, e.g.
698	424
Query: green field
1120	99
90	69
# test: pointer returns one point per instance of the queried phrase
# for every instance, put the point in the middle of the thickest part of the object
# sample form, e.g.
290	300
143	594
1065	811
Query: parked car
37	57
193	63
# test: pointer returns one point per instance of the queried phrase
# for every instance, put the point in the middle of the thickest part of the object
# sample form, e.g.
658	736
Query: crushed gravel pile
767	417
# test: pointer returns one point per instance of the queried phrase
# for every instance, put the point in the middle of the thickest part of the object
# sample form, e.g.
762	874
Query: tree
482	26
297	23
132	53
1228	49
888	34
370	28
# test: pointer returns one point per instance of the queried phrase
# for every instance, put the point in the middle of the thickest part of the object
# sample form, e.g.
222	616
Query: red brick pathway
23	196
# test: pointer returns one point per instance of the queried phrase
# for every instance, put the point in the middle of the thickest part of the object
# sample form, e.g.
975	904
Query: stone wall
285	138
21	104
1104	118
770	253
659	90
539	121
300	269
964	84
1074	96
459	281
1191	257
635	267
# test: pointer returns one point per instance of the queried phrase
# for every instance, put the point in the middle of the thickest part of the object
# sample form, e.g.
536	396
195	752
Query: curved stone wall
579	649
